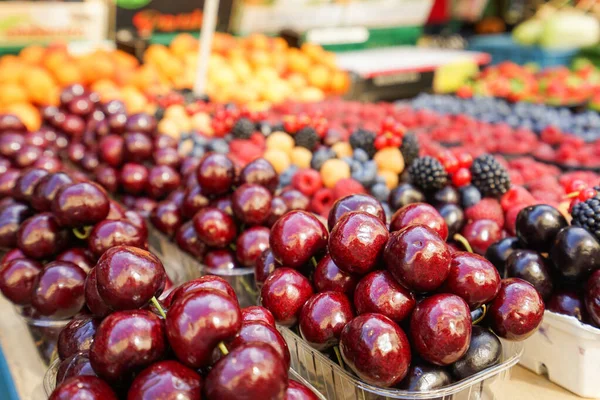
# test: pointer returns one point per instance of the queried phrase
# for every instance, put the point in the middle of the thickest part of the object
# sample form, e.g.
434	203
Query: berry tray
568	352
338	384
175	259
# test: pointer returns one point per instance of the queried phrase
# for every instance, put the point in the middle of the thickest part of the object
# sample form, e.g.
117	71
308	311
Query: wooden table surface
28	370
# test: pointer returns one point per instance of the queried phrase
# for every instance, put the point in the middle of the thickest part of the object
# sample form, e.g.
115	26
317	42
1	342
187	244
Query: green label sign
132	4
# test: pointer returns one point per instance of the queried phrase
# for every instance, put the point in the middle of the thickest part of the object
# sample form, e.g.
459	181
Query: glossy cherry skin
499	252
278	209
166	217
80	204
27	156
538	225
77	336
440	328
485	351
355	202
251	204
137	147
214	227
260	172
418	258
568	302
134	178
141	122
167	156
25	185
128	277
11	218
419	214
296	238
473	278
264	265
10	122
11	143
110	233
222	259
40	236
424	376
533	268
376	349
284	293
453	216
162	180
165	142
253	332
295	200
197	322
592	297
125	343
204	282
357	241
93	301
166	380
251	244
76	365
297	391
216	174
257	314
46	190
83	388
506	315
252	371
145	206
14	254
81	257
107	177
111	150
329	277
193	201
187	239
481	234
323	317
59	290
8	179
575	253
380	293
17	280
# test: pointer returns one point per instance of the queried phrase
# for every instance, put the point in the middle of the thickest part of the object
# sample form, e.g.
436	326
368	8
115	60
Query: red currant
586	194
576	185
449	162
462	177
465	160
380	142
394	141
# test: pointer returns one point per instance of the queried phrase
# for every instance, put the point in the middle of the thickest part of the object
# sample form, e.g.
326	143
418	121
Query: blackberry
427	173
587	215
363	139
307	137
243	129
489	176
409	148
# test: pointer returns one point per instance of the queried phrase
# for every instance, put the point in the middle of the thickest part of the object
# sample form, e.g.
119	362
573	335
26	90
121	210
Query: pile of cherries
406	309
194	343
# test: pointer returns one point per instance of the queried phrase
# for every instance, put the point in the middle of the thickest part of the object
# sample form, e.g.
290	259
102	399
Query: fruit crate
568	352
173	258
338	384
502	48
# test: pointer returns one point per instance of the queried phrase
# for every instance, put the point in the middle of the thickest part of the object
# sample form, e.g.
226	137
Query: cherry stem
248	287
314	262
336	350
82	234
463	240
158	307
223	348
478	320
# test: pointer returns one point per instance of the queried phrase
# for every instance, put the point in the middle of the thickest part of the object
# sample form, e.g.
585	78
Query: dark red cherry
110	233
187	240
440	328
260	172
284	293
295	200
204	282
506	315
69	93
111	150
167	156
329	277
216	174
90	162
25	185
592	297
251	244
296	238
380	293
197	322
11	218
144	206
27	156
17	280
83	388
77	336
481	234
264	265
418	258
76	365
533	268
93	301
81	257
59	290
214	227
40	236
4	164
357	241
355	202
323	317
128	277
297	391
48	163
258	314
251	204
419	214
107	177
11	143
125	343
10	122
81	106
193	201
14	254
166	142
46	190
115	212
113	107
568	302
473	278
80	204
162	180
254	369
73	125
166	380
222	259
141	122
260	332
134	178
376	349
137	147
278	209
8	181
166	217
223	204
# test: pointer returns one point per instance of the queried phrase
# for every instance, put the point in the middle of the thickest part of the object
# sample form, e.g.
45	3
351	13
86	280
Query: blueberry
198	151
320	156
380	191
360	155
469	196
219	146
366	174
200	140
286	176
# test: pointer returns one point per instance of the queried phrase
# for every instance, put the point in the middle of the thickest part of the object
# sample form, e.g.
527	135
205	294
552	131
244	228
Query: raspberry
244	150
307	181
346	187
511	219
486	209
322	201
515	195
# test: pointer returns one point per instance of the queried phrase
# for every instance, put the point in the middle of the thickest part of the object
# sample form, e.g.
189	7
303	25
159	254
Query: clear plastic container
338	384
175	259
50	380
44	332
568	352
